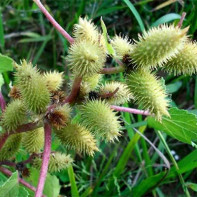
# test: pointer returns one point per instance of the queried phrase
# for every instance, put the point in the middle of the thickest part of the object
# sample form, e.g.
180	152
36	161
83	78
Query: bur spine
33	141
148	92
157	46
101	120
76	137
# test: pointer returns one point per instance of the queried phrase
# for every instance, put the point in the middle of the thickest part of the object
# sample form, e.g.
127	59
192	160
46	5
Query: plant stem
112	70
181	20
2	102
75	90
53	22
22	128
130	110
175	163
45	160
9	173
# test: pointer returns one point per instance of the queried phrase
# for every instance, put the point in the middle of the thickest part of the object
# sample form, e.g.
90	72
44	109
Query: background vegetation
130	167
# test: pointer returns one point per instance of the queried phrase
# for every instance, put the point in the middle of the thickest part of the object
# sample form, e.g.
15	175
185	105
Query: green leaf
173	87
166	18
135	13
9	185
1	80
51	187
181	125
6	63
74	189
192	186
109	46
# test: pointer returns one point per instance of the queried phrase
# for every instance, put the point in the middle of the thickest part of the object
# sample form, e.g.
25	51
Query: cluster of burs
166	47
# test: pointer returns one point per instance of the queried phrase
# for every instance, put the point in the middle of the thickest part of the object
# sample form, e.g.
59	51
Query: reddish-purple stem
181	20
53	22
130	110
9	173
45	160
2	102
23	128
112	70
75	90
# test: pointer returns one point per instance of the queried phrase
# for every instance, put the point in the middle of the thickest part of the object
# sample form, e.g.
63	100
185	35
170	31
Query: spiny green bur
33	141
97	116
10	147
157	45
58	161
32	87
185	62
148	92
77	137
14	115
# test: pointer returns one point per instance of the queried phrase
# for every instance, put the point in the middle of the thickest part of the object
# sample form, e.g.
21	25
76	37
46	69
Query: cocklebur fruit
78	138
58	161
185	62
157	45
33	141
148	92
10	147
86	58
89	83
54	80
59	117
122	46
33	88
14	115
85	30
121	96
100	119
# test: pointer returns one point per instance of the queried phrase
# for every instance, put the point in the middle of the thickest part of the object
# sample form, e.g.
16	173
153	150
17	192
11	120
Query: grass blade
71	175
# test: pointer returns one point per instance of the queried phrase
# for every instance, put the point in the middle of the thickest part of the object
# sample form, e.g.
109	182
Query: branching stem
53	22
45	160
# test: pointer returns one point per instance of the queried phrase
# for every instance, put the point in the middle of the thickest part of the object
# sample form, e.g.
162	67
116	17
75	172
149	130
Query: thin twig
23	182
75	90
109	94
45	160
54	22
130	110
181	20
2	102
112	70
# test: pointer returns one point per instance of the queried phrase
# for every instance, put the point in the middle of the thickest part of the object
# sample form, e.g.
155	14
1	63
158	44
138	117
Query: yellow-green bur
33	141
58	161
185	62
78	138
10	147
32	87
98	117
157	45
14	115
148	92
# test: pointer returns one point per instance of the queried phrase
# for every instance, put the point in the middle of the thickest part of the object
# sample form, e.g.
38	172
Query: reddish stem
75	90
45	160
23	128
54	22
2	102
112	70
181	20
130	110
109	94
9	173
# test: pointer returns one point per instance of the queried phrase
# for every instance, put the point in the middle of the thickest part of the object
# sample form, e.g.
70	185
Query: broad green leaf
173	87
166	18
109	46
9	185
6	63
181	125
135	13
1	80
192	186
51	187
